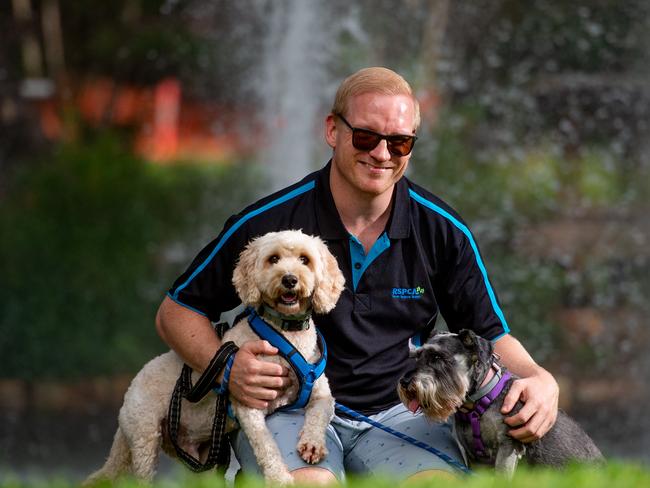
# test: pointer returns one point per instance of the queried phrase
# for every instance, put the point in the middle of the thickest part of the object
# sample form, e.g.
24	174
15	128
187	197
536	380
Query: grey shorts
358	448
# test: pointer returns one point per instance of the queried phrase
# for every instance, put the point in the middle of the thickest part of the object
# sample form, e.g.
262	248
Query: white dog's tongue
289	297
414	406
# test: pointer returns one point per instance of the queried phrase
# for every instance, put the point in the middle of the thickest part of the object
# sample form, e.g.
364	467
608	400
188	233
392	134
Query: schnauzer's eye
274	259
304	260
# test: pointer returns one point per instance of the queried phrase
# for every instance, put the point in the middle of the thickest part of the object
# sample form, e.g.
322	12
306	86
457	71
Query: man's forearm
515	357
188	333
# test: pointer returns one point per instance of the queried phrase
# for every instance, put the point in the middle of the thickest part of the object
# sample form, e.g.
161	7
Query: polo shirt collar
329	221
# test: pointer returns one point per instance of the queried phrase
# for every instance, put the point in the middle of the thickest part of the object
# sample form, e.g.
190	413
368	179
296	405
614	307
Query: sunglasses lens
400	146
365	140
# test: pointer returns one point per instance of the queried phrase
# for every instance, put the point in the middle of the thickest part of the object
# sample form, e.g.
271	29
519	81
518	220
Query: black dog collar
290	323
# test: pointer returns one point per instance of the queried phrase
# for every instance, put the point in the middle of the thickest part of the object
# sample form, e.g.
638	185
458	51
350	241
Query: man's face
372	172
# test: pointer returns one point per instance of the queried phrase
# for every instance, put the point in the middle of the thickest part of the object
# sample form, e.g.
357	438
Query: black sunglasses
367	140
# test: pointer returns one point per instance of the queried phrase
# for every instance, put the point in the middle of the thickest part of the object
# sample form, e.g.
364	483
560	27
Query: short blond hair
373	80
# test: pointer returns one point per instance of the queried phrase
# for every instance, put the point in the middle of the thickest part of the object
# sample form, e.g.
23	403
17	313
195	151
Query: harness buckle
310	377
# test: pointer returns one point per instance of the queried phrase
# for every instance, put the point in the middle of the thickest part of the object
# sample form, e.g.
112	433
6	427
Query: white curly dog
288	271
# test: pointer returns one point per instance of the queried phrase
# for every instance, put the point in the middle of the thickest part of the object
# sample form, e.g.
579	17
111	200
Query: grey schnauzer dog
460	374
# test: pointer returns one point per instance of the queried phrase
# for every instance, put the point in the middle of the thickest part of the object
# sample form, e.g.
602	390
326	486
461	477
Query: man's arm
252	382
537	389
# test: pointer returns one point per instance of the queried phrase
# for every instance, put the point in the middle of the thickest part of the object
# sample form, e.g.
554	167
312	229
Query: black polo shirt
425	262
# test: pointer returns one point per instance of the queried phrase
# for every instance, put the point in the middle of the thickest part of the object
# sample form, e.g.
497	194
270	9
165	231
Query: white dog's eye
274	259
304	260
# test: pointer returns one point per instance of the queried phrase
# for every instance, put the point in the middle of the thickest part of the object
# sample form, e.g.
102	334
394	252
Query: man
405	254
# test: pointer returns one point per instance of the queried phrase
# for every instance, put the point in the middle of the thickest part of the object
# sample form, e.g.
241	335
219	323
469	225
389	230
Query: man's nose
381	152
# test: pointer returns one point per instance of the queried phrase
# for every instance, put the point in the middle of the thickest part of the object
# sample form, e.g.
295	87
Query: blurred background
130	129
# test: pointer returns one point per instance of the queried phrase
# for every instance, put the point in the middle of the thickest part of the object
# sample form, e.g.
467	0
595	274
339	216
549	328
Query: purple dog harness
480	405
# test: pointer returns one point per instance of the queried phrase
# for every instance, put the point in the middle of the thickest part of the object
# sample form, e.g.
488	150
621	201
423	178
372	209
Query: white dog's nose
289	281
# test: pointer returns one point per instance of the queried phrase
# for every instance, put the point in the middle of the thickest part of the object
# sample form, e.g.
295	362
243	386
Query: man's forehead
398	108
374	98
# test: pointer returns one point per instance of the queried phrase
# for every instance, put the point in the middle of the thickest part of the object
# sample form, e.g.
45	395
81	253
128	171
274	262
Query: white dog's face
288	271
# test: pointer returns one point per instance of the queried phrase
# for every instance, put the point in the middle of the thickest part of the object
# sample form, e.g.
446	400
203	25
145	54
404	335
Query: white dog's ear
243	276
330	282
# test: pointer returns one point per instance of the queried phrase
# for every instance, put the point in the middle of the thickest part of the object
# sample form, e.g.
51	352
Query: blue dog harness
306	372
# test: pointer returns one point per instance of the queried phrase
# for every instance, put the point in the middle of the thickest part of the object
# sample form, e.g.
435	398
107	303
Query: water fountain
292	85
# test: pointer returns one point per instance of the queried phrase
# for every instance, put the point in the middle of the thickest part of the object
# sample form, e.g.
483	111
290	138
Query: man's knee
428	474
314	476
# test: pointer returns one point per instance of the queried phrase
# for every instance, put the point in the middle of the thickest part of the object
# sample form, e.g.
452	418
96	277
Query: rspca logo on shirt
408	293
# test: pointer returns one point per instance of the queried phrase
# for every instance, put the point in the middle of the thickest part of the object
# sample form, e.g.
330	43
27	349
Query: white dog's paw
311	450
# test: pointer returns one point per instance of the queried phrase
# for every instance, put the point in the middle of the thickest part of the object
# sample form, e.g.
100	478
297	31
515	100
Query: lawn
613	475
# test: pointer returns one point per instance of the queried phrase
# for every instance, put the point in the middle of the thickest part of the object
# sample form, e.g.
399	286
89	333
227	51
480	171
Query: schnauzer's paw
311	452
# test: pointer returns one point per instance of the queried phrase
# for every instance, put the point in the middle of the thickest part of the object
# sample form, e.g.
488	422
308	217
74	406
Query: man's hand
536	388
540	394
254	382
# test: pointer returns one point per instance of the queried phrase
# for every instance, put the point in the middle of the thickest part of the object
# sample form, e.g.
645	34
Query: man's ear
330	130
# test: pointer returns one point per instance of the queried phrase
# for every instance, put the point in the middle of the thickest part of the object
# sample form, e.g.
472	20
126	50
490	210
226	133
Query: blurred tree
30	48
574	70
134	41
19	53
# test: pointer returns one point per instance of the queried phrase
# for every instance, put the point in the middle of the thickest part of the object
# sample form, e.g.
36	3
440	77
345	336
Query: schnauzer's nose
289	281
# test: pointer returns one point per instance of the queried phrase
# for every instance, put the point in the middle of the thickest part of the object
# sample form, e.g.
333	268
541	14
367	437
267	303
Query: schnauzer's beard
439	390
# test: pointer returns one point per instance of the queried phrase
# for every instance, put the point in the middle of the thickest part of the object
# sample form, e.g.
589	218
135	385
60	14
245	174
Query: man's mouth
373	168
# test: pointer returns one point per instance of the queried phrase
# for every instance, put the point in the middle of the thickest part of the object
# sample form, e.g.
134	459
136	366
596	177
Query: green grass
613	475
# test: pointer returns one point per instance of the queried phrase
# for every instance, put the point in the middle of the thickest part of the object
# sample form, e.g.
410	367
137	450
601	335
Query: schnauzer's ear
243	276
432	335
329	281
470	341
468	338
413	350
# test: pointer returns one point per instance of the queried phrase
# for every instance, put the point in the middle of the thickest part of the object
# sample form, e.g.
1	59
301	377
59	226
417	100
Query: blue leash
449	460
307	374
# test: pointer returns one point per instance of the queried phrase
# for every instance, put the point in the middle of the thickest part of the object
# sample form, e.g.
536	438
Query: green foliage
86	234
560	35
529	291
531	182
130	40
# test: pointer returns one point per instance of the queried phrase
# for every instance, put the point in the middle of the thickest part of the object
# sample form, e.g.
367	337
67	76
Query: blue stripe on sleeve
176	300
284	198
463	228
